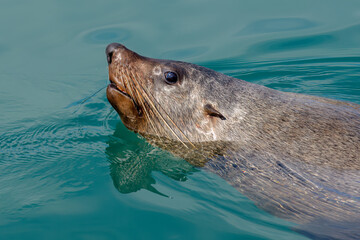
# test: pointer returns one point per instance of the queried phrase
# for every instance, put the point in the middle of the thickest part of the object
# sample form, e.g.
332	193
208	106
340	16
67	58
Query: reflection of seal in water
296	156
132	170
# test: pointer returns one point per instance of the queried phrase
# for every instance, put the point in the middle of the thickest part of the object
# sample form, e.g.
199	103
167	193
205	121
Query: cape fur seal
294	155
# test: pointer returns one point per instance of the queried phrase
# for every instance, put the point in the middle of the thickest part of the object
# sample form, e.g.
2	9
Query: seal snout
110	50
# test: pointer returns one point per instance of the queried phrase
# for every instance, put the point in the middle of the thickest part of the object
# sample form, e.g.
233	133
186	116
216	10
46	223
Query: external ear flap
211	111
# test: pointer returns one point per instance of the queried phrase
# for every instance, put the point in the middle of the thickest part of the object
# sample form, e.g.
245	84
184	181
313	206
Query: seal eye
171	77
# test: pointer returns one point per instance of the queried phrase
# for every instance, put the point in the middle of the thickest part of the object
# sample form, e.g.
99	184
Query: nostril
110	50
109	57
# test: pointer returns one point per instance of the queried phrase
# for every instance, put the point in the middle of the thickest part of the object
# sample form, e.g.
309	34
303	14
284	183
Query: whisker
141	101
167	115
146	95
147	107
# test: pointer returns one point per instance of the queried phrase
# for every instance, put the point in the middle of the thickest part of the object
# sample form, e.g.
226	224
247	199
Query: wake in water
53	159
46	159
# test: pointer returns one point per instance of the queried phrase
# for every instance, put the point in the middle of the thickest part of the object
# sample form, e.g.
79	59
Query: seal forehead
157	70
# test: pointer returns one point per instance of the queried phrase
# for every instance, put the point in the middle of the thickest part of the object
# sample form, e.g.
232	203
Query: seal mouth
121	89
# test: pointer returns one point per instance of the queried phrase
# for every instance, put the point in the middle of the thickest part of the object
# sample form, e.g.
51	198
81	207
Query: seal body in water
294	155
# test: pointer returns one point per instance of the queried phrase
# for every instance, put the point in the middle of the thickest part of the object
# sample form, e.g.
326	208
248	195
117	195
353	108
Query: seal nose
110	50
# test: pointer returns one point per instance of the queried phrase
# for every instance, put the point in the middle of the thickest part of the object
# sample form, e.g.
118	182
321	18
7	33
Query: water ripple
276	25
105	35
184	53
332	77
51	158
345	38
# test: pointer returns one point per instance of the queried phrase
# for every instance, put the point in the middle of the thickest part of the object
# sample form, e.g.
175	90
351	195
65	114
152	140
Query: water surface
69	169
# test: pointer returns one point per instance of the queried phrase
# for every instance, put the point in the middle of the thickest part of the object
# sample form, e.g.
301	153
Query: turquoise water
69	169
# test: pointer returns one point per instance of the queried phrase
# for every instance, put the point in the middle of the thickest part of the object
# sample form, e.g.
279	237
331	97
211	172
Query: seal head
150	95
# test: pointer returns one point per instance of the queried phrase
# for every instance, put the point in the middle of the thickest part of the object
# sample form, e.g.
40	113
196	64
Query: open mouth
120	89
